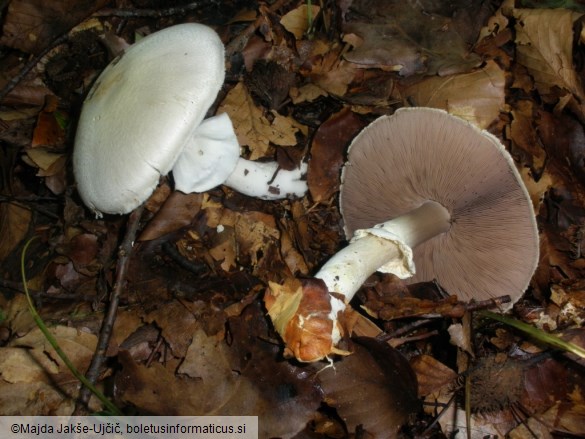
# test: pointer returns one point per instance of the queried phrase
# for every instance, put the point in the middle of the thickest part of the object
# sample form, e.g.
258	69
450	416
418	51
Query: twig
14	81
404	330
124	254
55	344
19	287
153	13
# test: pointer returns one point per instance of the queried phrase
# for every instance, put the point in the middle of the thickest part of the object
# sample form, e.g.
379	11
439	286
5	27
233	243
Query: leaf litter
191	336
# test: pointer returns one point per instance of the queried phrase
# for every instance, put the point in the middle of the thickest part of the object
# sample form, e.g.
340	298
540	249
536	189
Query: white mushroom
424	188
143	118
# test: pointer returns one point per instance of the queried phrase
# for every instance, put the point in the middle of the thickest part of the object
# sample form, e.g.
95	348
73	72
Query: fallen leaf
331	72
245	378
34	378
14	223
432	375
297	20
408	38
327	153
222	247
544	44
478	96
525	140
177	324
374	387
31	25
253	128
178	211
49	130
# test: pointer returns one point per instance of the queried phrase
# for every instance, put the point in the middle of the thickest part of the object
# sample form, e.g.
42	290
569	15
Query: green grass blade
41	324
538	334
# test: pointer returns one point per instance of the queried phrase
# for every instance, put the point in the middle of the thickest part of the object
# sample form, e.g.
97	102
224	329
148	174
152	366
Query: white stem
386	247
265	180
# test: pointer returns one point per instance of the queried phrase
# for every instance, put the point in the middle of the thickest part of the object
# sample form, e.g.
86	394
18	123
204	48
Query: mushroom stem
310	319
386	247
267	180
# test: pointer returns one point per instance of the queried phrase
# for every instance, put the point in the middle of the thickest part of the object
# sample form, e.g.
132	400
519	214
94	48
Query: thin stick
124	254
154	13
14	81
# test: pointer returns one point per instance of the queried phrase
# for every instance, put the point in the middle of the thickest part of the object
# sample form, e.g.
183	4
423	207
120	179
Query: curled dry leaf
297	20
329	71
478	96
432	375
292	257
253	128
544	44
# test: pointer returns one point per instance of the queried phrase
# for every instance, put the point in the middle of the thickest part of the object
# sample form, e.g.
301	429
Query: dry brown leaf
43	158
48	131
253	128
77	345
223	247
177	325
34	378
410	38
524	137
327	153
127	322
208	361
245	377
293	258
14	223
432	375
544	42
35	398
30	25
374	387
498	22
297	21
306	93
178	211
478	96
331	72
254	232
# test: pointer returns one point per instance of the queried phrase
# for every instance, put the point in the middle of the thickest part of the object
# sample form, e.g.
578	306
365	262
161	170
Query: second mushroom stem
266	180
387	245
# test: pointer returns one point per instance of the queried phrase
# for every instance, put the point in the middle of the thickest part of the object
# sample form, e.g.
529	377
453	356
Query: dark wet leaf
327	153
374	387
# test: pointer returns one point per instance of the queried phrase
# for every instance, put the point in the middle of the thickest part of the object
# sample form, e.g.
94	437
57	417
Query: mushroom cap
418	154
141	113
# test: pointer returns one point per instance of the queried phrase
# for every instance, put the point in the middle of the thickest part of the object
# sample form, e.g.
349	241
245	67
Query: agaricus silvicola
144	117
424	189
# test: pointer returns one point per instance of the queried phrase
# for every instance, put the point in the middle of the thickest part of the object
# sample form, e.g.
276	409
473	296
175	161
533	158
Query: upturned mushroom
144	117
424	189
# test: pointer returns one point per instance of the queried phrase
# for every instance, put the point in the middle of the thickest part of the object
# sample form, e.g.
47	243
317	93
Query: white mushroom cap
141	113
417	155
